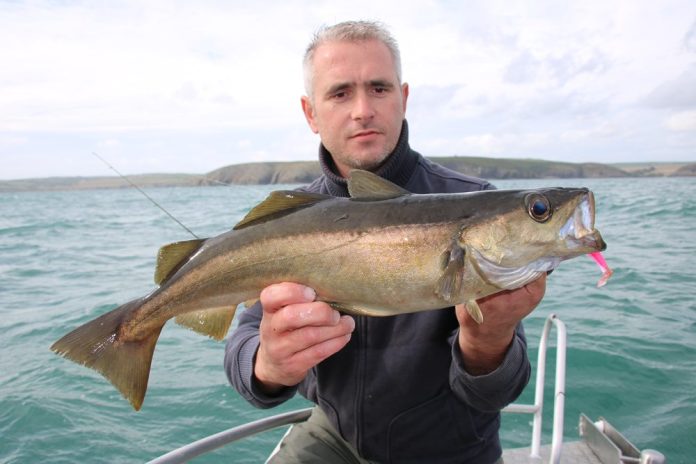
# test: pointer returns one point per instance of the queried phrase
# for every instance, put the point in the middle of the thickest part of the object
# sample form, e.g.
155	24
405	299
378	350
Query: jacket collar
398	168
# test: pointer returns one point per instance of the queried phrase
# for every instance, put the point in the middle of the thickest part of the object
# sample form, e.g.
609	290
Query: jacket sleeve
240	354
492	392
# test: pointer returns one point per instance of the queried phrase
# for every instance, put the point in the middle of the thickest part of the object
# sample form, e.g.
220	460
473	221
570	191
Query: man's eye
380	91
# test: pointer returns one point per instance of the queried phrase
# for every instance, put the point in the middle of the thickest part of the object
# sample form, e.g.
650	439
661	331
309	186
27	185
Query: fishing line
146	195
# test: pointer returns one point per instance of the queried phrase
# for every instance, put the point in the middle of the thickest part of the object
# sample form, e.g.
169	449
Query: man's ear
308	110
404	94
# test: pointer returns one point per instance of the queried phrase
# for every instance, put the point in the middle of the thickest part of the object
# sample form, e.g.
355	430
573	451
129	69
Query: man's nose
363	107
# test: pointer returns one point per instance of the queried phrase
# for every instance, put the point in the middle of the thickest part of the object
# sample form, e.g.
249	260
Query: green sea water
67	257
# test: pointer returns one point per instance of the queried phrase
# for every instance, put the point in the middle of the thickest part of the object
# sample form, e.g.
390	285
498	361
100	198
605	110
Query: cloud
684	121
196	86
523	69
678	93
502	144
557	70
149	67
690	38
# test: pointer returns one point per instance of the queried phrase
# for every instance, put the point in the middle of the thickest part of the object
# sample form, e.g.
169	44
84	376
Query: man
421	387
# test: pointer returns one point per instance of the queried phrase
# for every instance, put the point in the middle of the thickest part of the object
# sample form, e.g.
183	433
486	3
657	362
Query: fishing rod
146	195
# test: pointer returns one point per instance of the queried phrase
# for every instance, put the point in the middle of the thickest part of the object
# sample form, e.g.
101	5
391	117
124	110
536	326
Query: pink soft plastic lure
599	259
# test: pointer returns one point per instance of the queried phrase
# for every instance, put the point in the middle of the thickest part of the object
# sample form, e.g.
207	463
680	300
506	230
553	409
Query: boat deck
573	452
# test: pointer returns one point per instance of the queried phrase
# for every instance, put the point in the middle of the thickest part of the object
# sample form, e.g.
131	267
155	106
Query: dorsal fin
279	204
366	186
171	257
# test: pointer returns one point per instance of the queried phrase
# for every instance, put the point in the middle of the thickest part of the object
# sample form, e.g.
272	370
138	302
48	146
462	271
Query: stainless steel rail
559	395
207	444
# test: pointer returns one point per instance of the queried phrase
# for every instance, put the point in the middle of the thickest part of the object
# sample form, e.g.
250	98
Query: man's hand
296	333
484	345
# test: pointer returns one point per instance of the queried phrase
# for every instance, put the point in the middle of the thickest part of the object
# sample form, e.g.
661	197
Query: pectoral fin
450	283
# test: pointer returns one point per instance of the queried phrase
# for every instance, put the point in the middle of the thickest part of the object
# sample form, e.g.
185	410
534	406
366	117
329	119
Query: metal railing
207	444
559	395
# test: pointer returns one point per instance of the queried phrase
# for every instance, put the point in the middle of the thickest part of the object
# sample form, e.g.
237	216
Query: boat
599	442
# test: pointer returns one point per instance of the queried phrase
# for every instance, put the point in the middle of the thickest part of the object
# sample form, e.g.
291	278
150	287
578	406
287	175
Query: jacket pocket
440	429
330	412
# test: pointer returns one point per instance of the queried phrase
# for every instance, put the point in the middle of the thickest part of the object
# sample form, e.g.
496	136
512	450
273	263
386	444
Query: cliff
489	168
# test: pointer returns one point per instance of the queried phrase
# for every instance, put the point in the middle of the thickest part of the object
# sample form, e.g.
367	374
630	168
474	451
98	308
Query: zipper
360	387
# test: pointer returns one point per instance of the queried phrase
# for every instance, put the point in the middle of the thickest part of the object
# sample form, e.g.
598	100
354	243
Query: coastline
299	172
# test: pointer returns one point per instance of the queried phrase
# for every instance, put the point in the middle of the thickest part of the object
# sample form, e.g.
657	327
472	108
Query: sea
67	257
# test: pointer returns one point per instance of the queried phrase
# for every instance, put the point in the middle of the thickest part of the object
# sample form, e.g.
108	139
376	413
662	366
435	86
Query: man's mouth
364	133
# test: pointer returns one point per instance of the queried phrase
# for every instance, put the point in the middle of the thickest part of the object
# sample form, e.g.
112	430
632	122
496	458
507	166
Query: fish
381	252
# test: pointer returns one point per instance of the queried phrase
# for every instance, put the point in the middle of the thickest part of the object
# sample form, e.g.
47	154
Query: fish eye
539	208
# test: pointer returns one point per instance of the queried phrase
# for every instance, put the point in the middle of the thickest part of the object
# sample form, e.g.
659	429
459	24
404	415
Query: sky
188	87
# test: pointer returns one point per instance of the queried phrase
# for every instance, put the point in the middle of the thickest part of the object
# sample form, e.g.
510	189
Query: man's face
358	107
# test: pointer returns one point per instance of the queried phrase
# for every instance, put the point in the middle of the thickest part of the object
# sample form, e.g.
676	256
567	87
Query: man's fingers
287	359
301	315
537	289
309	337
322	343
276	296
296	333
290	306
317	353
292	342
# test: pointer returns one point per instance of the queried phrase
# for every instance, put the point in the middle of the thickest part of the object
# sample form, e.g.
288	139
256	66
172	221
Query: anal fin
213	322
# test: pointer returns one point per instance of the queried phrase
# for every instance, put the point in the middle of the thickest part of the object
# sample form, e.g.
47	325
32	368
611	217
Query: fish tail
125	363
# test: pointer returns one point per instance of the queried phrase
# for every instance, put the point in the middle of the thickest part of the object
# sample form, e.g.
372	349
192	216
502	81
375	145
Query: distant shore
299	172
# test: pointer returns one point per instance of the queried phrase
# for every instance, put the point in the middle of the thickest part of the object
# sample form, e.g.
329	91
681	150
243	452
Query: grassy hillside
497	168
488	168
294	172
300	172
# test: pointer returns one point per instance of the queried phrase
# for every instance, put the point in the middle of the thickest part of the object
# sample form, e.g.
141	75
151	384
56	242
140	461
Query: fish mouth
579	231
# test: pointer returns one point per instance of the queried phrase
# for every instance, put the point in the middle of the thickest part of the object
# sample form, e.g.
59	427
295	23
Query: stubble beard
365	164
